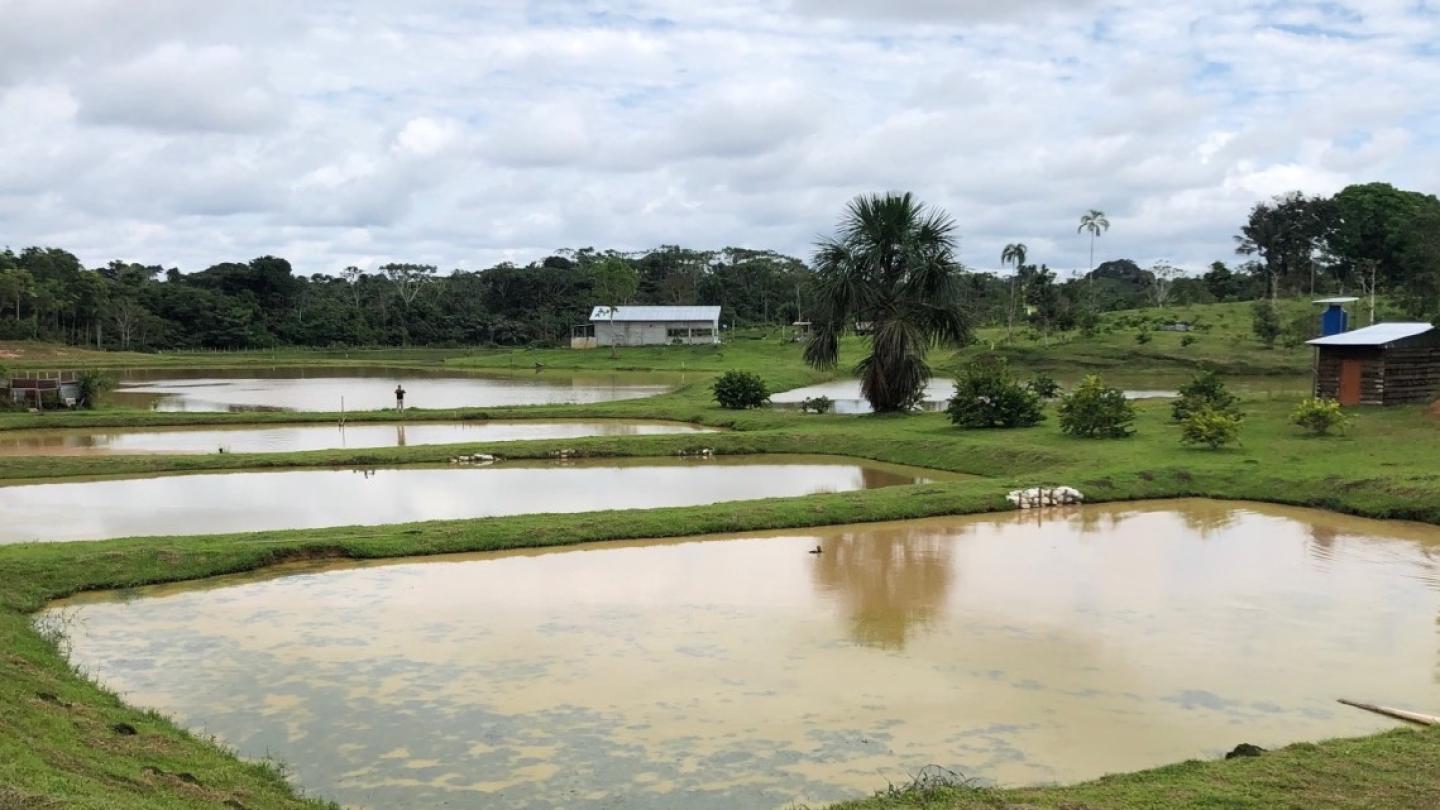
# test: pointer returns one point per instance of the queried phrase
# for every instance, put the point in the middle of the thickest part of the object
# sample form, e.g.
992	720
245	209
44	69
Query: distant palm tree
1095	222
1014	253
892	267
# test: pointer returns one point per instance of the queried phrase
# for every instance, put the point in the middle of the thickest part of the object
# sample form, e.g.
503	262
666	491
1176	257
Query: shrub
1187	340
1210	427
1205	389
986	396
738	390
1265	323
1143	336
1044	386
1318	416
93	385
1094	410
820	404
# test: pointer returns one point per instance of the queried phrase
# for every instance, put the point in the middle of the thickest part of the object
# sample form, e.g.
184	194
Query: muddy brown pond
746	672
360	388
291	438
217	503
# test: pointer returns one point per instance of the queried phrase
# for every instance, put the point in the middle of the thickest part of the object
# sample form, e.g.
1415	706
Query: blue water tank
1334	320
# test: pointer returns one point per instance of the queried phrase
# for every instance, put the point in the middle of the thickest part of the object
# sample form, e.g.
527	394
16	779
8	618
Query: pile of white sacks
478	458
1036	497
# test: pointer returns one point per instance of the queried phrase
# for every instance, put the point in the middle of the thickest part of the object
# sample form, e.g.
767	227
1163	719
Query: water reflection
745	672
292	438
360	388
215	503
890	582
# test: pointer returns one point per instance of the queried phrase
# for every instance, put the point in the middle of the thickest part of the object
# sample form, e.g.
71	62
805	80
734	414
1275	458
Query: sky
463	134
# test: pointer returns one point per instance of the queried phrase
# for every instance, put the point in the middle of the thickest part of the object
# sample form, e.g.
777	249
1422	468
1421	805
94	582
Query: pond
745	672
847	399
291	438
846	395
248	501
372	388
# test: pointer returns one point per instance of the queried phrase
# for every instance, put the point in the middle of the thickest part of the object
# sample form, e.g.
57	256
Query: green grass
57	743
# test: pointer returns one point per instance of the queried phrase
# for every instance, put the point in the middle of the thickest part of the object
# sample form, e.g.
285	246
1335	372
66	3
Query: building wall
657	333
1412	371
1406	371
1372	374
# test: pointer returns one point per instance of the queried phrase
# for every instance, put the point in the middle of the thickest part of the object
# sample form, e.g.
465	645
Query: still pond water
362	389
217	503
745	672
291	438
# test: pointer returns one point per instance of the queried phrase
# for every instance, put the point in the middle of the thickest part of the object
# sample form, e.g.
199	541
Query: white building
650	326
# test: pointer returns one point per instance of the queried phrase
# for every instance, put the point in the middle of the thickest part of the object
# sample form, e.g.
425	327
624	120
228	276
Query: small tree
1044	386
615	283
1205	390
1318	416
1210	427
1265	323
1094	410
739	390
986	396
93	385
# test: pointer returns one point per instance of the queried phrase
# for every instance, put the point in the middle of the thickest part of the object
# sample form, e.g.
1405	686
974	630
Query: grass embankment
59	743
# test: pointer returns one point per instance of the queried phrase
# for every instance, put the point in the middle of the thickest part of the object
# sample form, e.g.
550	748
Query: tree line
1366	240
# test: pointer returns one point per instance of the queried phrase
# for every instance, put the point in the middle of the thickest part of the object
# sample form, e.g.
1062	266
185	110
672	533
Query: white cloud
463	134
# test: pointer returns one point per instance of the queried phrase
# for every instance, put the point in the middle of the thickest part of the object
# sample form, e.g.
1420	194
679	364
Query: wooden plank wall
1412	374
1372	376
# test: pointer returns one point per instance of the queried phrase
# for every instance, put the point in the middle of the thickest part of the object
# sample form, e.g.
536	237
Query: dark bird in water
817	550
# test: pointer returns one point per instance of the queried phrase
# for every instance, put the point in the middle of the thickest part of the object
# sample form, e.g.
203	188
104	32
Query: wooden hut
1384	364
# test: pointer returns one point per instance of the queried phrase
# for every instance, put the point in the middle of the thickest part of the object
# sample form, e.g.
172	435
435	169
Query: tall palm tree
1095	222
890	265
1014	253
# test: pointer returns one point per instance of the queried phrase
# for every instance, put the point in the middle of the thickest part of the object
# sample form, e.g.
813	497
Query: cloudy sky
464	133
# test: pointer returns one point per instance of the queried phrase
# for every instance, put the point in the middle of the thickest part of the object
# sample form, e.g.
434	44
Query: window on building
677	332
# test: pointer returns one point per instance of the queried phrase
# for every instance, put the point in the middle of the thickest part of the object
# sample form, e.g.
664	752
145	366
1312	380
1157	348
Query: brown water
217	503
745	672
361	388
290	438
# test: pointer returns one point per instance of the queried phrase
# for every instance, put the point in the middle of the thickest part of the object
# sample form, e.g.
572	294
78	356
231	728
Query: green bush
1188	340
1094	410
1210	427
820	404
1205	390
1044	386
1143	336
93	386
1265	322
1318	416
986	396
738	390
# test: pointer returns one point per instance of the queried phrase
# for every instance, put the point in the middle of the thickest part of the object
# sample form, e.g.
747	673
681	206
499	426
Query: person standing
399	397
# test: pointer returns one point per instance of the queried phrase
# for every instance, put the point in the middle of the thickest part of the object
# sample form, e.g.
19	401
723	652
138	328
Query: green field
59	747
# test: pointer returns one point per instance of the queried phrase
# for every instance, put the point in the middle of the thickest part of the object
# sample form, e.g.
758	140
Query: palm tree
892	266
1095	222
1014	253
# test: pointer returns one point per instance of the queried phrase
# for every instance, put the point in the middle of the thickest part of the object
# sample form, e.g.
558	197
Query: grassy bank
63	741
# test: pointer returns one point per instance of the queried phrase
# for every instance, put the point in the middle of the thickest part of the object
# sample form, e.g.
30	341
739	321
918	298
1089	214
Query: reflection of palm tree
1206	517
887	580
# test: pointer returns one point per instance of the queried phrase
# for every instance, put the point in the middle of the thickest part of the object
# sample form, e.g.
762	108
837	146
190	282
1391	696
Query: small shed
1384	364
654	326
43	389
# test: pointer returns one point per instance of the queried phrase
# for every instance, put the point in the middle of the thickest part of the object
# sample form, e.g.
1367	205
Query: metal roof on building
1378	335
657	314
1342	299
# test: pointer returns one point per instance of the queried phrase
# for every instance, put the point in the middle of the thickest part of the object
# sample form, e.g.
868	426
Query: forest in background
1368	238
